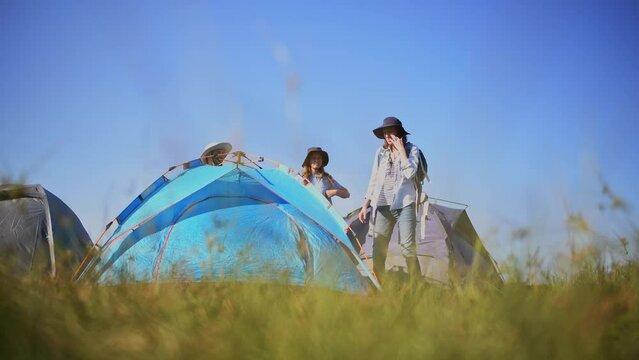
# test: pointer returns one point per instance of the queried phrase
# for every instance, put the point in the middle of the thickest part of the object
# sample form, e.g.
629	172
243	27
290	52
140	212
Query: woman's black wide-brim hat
319	150
390	121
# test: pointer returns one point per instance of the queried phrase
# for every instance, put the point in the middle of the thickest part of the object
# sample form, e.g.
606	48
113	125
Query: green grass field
587	308
591	314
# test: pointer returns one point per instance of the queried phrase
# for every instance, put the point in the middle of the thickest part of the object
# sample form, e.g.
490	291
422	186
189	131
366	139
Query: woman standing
313	173
392	195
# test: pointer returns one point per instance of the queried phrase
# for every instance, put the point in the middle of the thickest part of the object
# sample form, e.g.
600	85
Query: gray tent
448	247
35	226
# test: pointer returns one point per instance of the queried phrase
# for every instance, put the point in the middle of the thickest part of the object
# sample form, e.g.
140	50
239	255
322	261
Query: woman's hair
404	139
306	173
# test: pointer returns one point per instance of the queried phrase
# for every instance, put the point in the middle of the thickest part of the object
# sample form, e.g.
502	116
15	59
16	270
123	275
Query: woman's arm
341	192
408	167
362	213
373	178
371	188
337	190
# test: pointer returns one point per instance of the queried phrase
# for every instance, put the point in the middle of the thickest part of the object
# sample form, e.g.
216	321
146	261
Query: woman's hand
362	215
398	143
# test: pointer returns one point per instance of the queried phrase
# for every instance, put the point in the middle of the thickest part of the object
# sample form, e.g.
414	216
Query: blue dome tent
237	221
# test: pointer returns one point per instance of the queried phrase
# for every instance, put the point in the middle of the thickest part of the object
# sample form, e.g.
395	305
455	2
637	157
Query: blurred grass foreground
587	308
591	314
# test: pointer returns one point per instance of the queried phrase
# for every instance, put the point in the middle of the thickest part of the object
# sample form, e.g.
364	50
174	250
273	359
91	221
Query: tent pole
448	201
49	232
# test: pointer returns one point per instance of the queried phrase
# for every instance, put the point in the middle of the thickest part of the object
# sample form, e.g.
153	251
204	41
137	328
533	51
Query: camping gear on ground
237	221
448	247
39	231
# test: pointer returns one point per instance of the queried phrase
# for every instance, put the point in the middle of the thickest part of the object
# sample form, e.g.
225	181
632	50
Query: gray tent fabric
448	246
39	231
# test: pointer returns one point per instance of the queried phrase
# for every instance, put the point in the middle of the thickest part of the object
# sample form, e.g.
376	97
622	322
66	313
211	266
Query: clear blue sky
519	106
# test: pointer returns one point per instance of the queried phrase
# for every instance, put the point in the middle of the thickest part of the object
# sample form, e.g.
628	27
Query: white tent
448	247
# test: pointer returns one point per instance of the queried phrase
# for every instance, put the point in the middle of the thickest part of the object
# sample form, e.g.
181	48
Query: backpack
422	173
422	168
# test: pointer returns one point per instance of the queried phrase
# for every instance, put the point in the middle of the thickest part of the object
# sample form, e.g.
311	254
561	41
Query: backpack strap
423	219
418	182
